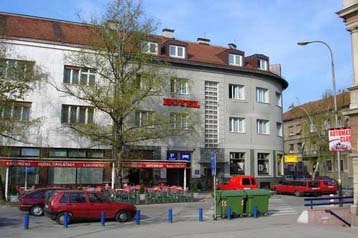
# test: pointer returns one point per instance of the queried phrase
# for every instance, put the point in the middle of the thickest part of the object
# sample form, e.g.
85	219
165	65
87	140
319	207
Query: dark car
86	205
34	201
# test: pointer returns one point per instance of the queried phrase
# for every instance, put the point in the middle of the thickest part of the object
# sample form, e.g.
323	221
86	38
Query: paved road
280	222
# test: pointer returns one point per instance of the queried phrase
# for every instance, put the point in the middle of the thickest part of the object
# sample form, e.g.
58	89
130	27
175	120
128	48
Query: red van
239	182
297	187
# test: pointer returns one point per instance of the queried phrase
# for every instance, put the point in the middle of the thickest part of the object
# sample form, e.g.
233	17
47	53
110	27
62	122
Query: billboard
339	139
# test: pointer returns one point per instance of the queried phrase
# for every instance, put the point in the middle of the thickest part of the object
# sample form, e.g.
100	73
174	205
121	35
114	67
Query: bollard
65	220
26	220
255	211
229	213
200	214
103	218
137	217
170	215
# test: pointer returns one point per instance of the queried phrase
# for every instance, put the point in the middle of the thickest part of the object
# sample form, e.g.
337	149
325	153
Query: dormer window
262	64
177	51
235	60
150	47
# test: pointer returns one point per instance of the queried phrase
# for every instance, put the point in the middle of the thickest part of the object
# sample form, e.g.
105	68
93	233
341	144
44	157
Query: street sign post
213	173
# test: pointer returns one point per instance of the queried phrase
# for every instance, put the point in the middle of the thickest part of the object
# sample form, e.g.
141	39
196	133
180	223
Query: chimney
168	33
203	41
232	46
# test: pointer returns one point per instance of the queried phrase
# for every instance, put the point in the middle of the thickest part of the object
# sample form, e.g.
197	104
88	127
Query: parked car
239	182
327	186
297	187
86	205
34	201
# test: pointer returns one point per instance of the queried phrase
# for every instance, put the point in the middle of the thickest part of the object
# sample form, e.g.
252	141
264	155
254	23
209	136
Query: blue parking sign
213	164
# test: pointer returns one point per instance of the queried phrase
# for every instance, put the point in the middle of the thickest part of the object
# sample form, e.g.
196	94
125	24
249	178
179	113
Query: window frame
147	47
263	127
144	118
262	95
84	76
237	124
73	114
262	64
237	92
16	111
174	51
235	59
179	120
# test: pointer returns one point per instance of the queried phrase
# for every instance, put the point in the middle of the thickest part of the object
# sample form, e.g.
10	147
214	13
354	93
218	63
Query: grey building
239	98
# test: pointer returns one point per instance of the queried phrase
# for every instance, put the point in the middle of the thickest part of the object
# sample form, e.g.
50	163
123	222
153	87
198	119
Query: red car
327	186
239	182
86	205
297	187
34	201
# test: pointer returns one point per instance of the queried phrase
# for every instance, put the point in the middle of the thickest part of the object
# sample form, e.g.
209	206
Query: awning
153	164
54	163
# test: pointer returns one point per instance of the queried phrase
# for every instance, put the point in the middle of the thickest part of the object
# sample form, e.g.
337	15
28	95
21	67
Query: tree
17	79
131	83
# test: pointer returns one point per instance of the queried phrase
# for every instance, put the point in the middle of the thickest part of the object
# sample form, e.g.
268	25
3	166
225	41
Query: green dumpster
258	198
229	198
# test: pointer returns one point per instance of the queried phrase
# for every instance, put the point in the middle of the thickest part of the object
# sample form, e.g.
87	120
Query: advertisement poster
339	139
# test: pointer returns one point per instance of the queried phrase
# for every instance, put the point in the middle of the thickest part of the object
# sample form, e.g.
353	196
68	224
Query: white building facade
239	99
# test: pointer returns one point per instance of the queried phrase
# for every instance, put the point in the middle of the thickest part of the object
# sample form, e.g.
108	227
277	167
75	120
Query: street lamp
335	105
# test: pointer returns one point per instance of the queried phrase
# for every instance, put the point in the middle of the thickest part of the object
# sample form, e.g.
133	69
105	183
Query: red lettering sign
180	102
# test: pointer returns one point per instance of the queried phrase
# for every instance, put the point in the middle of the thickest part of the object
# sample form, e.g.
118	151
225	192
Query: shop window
279	164
263	164
77	153
95	153
31	152
58	153
237	163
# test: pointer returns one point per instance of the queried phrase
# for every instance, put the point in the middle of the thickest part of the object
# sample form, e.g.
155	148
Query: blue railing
322	201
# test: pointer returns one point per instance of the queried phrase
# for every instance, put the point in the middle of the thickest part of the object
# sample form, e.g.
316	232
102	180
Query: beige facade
349	14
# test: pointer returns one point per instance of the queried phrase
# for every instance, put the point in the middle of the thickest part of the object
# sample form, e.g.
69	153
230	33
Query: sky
269	27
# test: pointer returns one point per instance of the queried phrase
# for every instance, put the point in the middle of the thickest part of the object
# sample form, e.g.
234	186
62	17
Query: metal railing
324	201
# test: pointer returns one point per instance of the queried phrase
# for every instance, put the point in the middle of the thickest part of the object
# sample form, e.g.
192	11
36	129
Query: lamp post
335	106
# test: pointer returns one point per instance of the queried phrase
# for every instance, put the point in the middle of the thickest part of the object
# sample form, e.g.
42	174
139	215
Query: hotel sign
52	163
180	103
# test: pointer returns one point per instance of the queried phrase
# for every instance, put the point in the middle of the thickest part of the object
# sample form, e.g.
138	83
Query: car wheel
37	210
60	218
122	216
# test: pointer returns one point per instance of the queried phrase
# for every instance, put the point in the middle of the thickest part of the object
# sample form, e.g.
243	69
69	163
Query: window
76	153
32	152
235	60
262	95
176	51
237	124
77	198
150	47
263	164
236	92
262	64
144	118
329	165
77	75
279	129
291	148
179	86
179	120
57	153
71	114
263	127
279	99
15	69
17	111
279	164
237	163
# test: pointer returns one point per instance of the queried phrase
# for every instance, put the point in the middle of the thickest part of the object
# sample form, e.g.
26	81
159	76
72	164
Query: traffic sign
213	164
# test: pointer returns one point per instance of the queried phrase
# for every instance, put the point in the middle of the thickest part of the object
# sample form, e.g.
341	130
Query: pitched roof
55	31
325	104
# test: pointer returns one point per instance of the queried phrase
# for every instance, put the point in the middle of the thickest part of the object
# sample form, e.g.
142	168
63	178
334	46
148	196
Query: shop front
27	173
